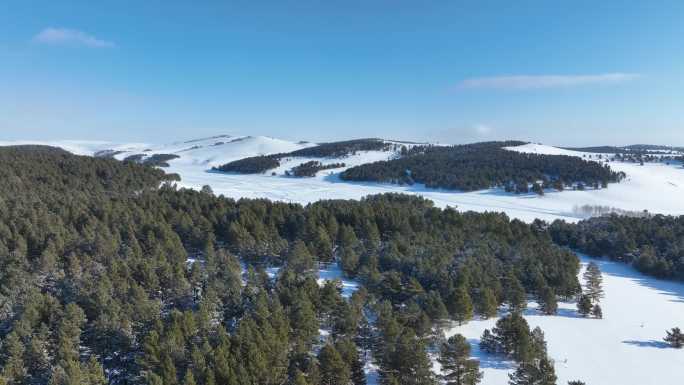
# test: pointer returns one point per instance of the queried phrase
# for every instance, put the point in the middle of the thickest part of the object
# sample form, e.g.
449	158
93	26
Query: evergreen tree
489	343
536	372
458	368
460	305
334	371
584	305
189	378
675	338
511	336
14	370
350	354
547	300
593	282
487	303
538	343
515	294
94	372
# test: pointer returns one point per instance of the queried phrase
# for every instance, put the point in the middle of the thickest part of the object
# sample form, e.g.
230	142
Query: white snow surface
656	187
333	272
625	347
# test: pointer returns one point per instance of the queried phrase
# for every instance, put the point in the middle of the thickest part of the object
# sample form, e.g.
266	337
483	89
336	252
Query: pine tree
487	304
460	305
350	354
459	369
334	371
538	343
675	338
189	378
593	280
584	305
536	372
14	370
547	300
515	294
94	372
489	343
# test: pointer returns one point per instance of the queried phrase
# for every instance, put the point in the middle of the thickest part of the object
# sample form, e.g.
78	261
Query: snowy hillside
656	187
625	347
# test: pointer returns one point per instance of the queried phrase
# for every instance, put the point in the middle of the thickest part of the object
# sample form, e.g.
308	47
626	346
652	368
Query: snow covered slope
656	187
625	347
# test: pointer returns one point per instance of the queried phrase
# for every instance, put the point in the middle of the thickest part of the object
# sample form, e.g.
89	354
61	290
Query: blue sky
570	73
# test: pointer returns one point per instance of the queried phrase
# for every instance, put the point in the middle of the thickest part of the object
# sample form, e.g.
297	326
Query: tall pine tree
458	368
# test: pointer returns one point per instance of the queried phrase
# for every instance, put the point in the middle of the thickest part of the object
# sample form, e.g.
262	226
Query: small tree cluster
675	338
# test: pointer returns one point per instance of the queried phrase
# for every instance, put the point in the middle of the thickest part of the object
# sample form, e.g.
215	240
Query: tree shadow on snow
561	312
490	361
647	344
672	289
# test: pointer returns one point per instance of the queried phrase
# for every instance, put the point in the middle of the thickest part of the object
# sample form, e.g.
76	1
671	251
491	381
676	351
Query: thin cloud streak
66	36
522	82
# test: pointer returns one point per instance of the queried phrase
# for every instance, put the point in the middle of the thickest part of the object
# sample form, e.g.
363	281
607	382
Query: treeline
154	160
653	244
263	163
309	169
109	274
483	165
342	148
251	165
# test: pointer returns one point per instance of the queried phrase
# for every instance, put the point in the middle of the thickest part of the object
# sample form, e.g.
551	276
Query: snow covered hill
656	187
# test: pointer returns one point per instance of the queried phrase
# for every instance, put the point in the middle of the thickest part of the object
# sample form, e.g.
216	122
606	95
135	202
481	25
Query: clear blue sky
562	72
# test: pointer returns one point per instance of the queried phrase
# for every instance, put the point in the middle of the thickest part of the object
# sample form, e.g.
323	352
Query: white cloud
65	36
545	81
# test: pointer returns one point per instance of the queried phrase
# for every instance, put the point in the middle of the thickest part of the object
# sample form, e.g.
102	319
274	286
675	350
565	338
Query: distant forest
309	169
110	274
464	167
263	163
484	165
654	245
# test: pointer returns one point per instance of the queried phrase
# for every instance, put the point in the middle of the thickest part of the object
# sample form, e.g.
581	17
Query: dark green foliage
334	371
487	305
536	372
584	305
251	165
675	338
458	368
592	281
309	169
339	149
547	301
460	305
103	262
159	160
511	336
654	244
154	160
515	294
479	166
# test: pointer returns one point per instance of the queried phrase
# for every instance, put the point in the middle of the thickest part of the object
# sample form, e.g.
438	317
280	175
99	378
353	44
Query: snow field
625	347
